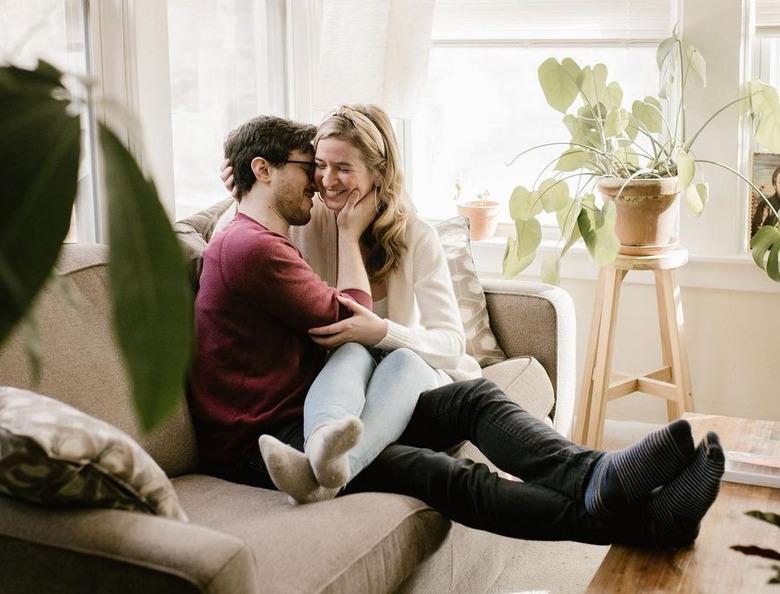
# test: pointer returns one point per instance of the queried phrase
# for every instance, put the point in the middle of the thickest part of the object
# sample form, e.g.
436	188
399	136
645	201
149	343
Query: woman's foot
291	472
621	479
327	447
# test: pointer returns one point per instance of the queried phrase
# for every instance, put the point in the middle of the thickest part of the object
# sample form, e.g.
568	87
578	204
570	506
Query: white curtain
373	51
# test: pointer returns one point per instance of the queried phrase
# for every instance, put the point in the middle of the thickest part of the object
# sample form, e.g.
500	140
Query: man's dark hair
264	136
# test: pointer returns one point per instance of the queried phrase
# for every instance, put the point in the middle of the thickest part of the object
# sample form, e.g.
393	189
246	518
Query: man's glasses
309	166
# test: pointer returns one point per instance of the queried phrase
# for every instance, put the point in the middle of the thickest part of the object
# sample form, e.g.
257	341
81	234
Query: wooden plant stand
600	384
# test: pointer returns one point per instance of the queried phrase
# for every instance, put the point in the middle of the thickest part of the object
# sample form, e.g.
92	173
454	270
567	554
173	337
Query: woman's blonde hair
368	128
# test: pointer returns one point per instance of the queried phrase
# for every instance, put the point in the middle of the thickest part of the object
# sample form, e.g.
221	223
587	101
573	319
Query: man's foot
677	509
327	447
291	472
620	479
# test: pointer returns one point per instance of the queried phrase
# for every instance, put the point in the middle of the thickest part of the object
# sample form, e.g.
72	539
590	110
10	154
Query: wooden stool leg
586	393
672	407
669	293
602	368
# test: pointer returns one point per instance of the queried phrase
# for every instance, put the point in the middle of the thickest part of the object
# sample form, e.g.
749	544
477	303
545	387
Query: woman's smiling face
339	169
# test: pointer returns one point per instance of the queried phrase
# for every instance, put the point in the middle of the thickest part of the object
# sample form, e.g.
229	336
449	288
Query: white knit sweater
422	311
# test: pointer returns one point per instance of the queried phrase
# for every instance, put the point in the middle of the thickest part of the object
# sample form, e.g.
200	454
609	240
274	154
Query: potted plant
482	214
640	160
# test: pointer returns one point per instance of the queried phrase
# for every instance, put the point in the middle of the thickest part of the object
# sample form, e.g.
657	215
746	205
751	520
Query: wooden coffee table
709	565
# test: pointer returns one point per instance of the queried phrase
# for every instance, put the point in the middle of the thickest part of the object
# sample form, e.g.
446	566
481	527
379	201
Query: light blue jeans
382	394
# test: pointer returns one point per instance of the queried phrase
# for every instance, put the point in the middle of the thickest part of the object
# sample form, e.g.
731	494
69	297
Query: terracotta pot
482	216
647	213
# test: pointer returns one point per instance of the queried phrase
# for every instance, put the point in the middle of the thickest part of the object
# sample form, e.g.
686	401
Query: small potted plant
640	160
482	213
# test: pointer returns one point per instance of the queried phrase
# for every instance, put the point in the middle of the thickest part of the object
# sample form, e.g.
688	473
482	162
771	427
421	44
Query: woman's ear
262	169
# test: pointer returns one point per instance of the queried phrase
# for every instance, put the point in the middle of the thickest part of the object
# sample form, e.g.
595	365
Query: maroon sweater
255	361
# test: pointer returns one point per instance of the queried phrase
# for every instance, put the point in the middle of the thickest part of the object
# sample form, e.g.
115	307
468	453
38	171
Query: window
55	31
226	66
482	102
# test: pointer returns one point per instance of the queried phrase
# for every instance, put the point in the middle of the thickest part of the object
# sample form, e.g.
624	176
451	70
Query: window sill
730	273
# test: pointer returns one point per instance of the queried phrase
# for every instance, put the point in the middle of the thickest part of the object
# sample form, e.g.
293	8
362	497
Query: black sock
678	508
622	478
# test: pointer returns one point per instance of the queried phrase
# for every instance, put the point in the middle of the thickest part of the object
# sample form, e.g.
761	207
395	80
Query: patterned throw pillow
480	341
51	453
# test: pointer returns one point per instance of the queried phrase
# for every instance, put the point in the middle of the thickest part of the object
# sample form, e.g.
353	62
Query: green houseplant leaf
152	291
524	204
765	246
554	194
559	82
598	231
766	115
520	252
40	155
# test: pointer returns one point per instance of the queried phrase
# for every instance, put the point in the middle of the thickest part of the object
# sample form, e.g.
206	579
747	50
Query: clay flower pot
647	213
482	216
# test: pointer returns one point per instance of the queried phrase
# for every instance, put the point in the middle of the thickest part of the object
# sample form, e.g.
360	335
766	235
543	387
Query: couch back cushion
81	361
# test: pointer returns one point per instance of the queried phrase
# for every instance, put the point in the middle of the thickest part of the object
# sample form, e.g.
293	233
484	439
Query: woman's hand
226	175
364	327
357	214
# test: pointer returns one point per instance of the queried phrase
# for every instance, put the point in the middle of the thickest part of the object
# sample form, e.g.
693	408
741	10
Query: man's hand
226	175
364	327
357	214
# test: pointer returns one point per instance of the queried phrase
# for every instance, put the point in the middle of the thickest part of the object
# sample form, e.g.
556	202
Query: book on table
762	470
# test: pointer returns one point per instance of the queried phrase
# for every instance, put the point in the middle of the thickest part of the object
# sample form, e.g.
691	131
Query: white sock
327	447
291	472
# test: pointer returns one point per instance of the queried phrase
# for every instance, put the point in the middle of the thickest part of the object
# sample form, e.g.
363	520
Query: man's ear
262	169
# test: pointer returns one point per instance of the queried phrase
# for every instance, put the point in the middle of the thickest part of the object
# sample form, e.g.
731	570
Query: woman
414	332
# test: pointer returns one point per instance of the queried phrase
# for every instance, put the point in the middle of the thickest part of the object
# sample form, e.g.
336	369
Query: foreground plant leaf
765	246
765	109
40	152
559	82
769	517
151	289
757	552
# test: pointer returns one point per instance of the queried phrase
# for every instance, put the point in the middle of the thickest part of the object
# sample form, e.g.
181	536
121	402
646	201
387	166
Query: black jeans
548	505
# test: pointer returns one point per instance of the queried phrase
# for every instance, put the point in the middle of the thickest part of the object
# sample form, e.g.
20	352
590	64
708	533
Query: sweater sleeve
268	269
440	340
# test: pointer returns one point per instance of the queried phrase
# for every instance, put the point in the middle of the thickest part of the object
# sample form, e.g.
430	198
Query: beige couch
241	539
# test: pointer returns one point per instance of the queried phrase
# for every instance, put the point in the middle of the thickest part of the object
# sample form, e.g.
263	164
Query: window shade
493	20
767	15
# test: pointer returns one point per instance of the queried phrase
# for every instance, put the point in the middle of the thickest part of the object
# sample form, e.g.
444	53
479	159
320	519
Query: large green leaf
765	246
554	194
40	157
150	284
559	83
663	50
765	109
598	231
520	252
524	204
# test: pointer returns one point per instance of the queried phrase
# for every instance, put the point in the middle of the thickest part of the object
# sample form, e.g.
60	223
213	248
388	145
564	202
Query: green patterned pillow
51	453
480	340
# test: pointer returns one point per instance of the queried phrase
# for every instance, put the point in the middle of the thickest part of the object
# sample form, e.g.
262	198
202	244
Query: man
255	288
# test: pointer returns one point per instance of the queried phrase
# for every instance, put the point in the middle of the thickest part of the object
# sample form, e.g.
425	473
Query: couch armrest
45	549
530	318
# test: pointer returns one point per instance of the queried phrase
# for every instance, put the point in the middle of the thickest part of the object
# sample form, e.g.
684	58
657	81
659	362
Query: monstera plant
152	295
619	150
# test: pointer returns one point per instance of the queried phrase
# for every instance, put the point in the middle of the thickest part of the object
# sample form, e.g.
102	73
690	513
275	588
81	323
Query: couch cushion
480	341
81	364
526	382
367	542
51	453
